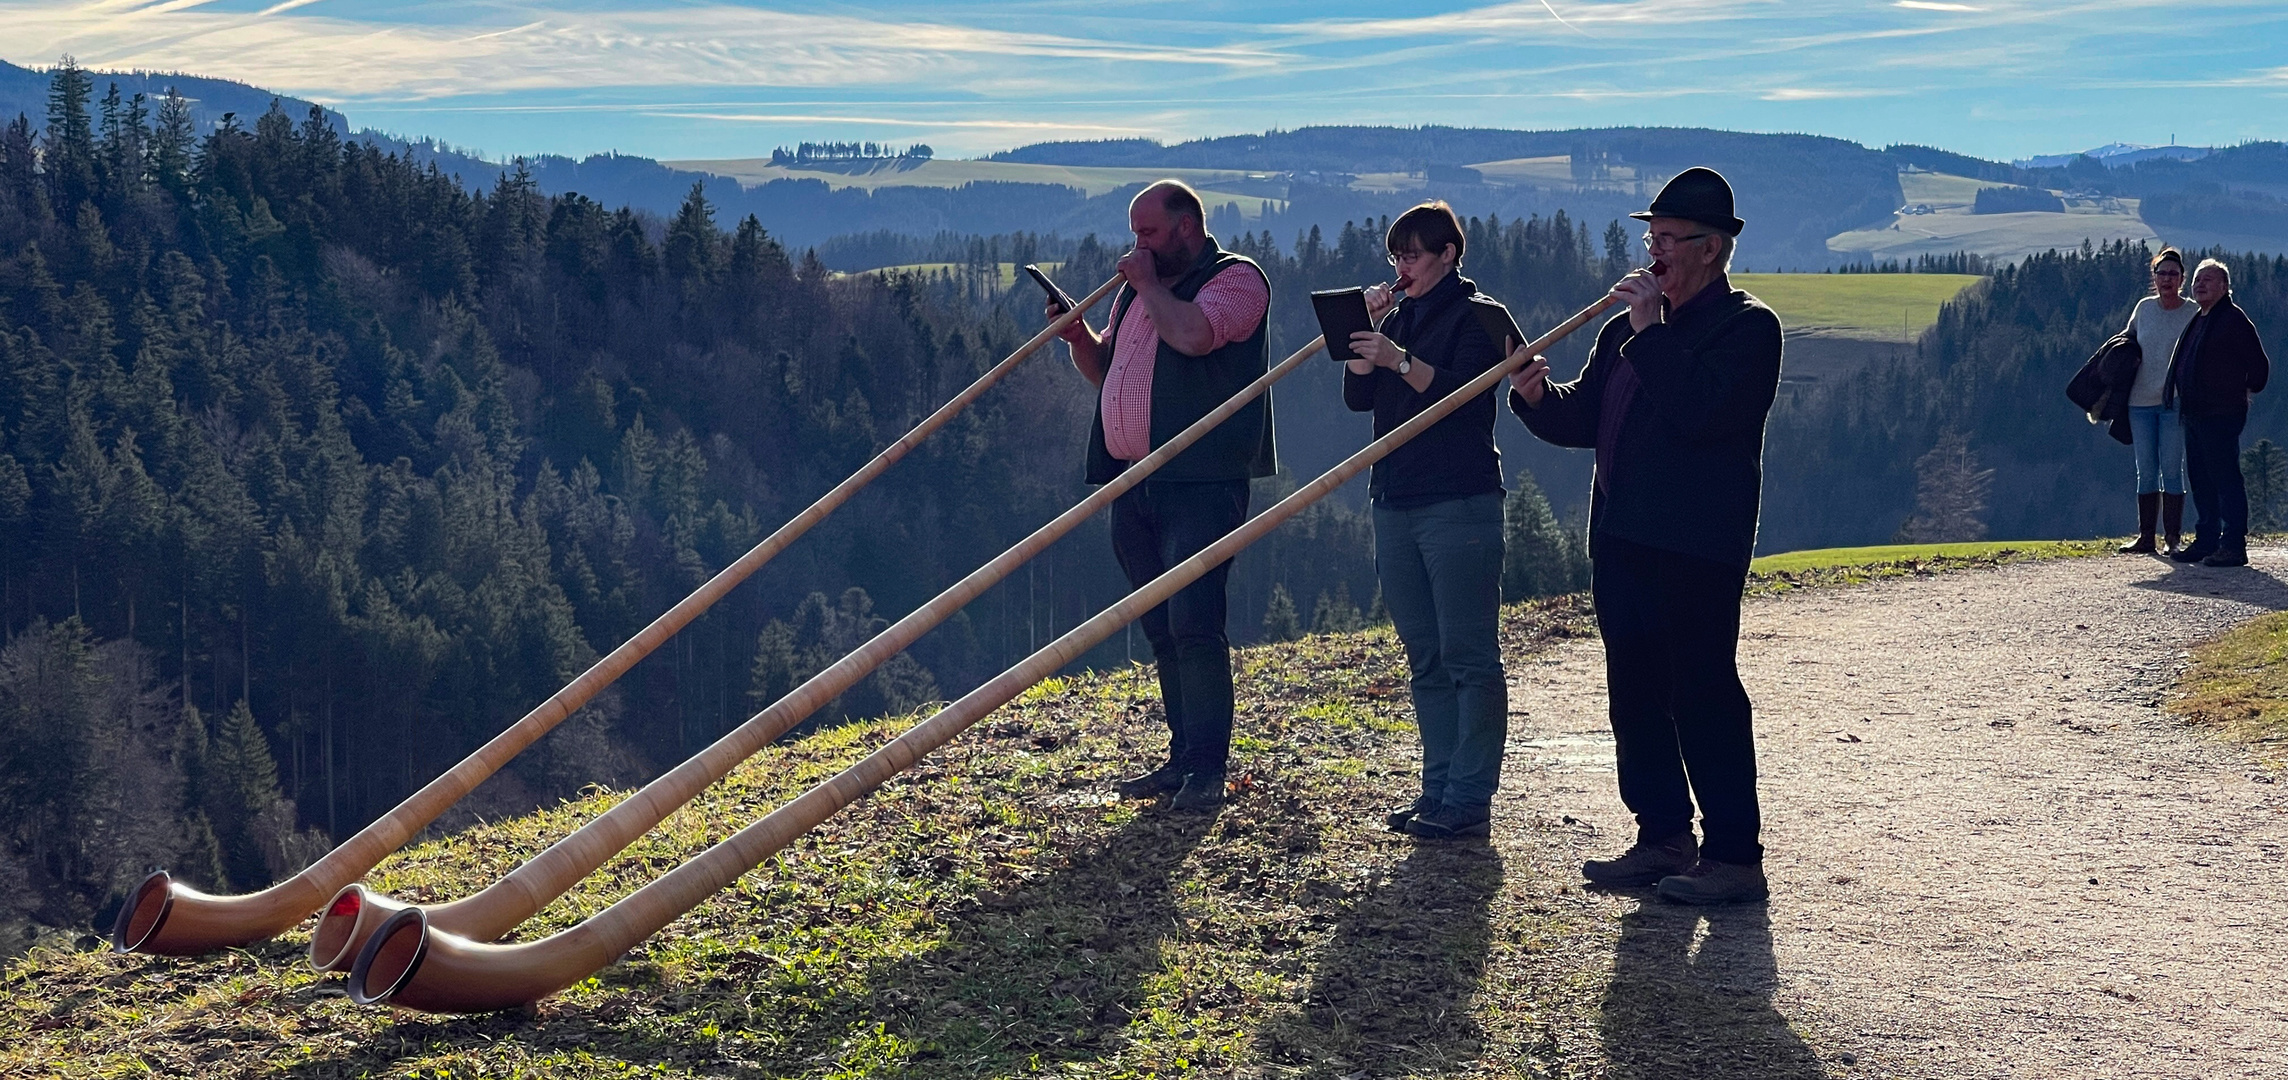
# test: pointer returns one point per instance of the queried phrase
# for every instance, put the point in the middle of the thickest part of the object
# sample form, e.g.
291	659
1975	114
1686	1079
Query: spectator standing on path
1673	400
1187	331
2217	369
2155	433
1438	515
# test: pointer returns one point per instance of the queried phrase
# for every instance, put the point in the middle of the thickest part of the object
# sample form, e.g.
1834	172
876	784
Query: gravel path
1991	855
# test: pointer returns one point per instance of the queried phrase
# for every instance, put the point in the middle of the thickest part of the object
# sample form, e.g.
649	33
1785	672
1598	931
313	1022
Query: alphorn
166	917
356	911
409	964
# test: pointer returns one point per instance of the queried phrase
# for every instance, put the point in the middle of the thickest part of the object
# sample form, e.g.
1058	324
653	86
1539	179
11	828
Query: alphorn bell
409	964
166	917
356	911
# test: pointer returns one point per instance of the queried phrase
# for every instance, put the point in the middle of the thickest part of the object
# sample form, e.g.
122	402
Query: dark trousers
1681	719
1156	525
2212	469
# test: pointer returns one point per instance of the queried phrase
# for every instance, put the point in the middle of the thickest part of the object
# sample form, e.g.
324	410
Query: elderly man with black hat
1673	401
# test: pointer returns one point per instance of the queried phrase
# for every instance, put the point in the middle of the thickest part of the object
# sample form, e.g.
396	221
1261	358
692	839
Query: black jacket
1185	388
2101	388
1687	463
1446	329
2217	363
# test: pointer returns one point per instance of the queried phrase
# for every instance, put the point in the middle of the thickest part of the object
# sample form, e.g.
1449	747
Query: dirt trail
1991	855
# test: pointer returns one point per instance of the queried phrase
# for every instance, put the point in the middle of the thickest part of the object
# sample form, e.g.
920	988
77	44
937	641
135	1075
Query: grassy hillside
1875	307
993	912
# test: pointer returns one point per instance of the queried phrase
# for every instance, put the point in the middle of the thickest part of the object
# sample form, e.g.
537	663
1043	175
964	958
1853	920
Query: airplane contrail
1561	19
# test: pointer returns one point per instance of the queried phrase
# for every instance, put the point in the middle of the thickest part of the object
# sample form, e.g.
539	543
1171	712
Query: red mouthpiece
1658	268
1401	284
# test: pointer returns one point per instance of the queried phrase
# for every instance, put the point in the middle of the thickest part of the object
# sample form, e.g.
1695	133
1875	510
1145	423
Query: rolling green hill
1872	307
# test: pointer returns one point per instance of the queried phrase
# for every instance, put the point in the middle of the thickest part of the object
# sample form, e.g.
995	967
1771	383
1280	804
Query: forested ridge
317	468
355	466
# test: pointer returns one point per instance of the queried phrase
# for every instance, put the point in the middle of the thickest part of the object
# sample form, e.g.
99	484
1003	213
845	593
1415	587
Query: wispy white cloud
985	75
536	48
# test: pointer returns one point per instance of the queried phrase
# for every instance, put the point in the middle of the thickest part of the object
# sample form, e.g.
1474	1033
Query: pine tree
241	783
68	151
2264	469
1280	622
1335	613
1540	557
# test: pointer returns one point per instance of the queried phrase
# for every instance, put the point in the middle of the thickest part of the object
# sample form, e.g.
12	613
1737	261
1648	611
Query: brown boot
2148	510
2173	519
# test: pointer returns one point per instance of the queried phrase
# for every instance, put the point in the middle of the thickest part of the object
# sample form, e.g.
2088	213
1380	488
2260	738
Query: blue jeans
1440	567
1156	525
2157	436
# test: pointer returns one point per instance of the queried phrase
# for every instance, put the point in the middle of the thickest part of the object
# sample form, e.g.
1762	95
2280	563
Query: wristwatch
1405	362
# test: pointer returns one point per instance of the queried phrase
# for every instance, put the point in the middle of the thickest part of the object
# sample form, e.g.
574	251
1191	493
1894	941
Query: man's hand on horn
1140	268
1641	292
1530	381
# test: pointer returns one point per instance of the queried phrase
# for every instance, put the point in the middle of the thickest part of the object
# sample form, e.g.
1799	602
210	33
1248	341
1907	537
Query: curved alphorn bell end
164	917
346	923
463	976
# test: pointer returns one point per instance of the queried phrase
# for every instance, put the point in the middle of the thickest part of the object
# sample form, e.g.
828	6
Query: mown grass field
1942	189
1875	307
994	912
1911	554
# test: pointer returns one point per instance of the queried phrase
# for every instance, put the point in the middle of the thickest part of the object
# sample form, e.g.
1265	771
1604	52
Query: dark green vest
1185	388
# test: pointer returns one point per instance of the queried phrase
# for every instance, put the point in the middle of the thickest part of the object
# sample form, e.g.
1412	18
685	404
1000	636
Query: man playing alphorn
1673	400
1187	332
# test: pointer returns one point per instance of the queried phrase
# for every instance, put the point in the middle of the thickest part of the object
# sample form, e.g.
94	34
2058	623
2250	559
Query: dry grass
2238	685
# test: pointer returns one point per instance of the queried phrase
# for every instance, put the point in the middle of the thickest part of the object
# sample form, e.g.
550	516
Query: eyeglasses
1406	258
2168	273
1663	241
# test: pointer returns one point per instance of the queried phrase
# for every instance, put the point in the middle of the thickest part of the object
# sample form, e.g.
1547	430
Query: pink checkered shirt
1233	301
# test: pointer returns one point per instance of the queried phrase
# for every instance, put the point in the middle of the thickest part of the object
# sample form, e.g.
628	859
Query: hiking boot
1397	819
1202	792
1712	882
2148	516
1446	821
2195	551
2229	553
1644	863
1161	781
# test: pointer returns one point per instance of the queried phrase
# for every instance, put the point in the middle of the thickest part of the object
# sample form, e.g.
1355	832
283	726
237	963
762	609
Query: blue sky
712	78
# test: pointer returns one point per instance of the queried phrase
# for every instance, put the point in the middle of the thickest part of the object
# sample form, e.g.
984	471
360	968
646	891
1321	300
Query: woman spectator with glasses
2156	433
1438	514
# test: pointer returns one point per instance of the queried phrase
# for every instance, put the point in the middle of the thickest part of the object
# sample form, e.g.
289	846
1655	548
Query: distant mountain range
2118	154
1810	201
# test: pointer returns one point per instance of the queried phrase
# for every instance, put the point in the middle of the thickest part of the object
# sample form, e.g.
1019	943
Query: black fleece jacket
1687	463
1456	458
2218	362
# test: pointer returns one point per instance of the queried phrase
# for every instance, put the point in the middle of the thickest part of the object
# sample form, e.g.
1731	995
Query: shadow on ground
1691	996
1052	971
1392	992
2249	585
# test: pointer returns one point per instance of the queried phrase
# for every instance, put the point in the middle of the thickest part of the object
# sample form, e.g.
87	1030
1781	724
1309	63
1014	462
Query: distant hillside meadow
324	456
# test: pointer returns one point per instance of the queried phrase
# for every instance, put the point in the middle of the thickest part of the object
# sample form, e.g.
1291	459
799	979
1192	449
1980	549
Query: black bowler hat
1696	194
